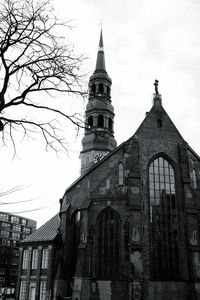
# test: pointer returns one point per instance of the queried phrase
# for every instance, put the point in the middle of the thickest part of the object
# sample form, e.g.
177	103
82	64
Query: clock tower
98	139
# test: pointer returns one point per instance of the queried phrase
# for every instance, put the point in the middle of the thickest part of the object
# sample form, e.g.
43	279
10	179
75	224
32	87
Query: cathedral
128	227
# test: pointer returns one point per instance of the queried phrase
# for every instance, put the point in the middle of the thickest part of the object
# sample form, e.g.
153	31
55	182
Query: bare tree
34	59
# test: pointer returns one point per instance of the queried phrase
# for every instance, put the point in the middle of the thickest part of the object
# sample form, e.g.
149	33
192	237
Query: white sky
144	40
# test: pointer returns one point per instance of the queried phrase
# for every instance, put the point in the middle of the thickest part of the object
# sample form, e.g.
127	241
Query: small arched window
121	174
159	123
108	90
194	178
90	122
108	244
110	124
93	89
101	88
100	121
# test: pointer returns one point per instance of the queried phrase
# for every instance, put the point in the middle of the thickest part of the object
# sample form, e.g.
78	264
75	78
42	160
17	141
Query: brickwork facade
117	232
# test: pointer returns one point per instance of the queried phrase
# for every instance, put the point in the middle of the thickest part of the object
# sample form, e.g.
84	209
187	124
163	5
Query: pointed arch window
100	121
108	241
120	174
194	178
163	220
75	239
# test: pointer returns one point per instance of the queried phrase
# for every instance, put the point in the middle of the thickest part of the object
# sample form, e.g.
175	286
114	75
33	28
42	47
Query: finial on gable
157	100
156	86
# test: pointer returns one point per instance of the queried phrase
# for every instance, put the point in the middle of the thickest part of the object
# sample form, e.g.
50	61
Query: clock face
98	157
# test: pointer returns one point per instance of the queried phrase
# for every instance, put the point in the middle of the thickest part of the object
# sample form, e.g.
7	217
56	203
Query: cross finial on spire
156	86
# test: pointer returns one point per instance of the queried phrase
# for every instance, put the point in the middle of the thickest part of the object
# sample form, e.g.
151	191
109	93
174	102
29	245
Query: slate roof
47	232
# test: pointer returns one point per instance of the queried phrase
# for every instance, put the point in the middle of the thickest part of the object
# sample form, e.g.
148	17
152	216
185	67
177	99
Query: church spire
100	64
99	115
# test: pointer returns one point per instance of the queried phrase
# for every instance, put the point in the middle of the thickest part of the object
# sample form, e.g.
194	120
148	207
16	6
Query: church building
129	225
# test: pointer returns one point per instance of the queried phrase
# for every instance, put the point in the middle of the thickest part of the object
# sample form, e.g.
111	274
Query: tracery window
194	178
108	241
163	220
75	234
121	174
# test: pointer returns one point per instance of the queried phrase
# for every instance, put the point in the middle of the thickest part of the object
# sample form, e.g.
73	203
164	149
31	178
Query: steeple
98	140
100	64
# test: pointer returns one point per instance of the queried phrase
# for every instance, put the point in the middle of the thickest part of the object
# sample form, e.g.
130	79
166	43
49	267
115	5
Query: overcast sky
144	40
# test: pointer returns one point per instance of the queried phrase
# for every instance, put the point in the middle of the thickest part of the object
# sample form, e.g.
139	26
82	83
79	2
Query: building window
14	261
75	237
108	241
101	88
43	290
5	225
90	122
2	281
45	258
26	229
22	295
23	221
163	220
14	219
121	174
93	89
159	123
13	272
16	227
4	233
25	262
15	235
35	259
2	270
194	179
3	217
100	121
110	124
108	90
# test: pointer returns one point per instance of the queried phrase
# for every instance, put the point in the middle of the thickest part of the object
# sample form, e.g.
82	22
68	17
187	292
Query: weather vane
101	23
156	86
